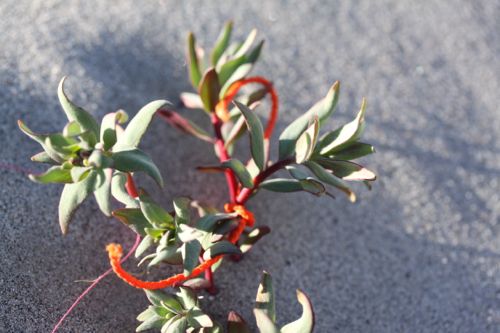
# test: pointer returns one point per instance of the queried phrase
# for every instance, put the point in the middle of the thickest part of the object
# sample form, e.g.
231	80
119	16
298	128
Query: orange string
222	107
115	253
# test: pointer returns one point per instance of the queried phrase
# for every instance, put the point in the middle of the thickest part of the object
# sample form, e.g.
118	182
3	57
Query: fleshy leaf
181	207
145	244
132	135
75	113
102	193
264	323
305	323
153	322
306	142
190	253
330	179
240	171
177	325
345	135
71	198
253	237
346	170
209	89
354	151
256	135
221	43
196	318
43	157
191	101
108	127
133	218
155	213
119	192
227	70
136	160
221	248
192	58
264	300
55	174
322	109
236	324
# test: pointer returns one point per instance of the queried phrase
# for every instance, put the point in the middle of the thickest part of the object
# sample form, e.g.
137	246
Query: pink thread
96	281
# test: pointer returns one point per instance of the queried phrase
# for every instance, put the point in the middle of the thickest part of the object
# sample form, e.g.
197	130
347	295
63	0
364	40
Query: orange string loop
115	253
222	107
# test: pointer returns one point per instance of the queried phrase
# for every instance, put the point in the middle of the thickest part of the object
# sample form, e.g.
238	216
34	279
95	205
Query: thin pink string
96	281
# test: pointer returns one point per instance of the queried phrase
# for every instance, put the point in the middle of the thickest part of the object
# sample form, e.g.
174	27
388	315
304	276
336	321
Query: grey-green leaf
221	248
346	170
132	135
305	323
103	191
322	109
43	157
55	174
136	160
354	151
153	322
190	253
178	325
240	171
253	237
71	198
264	323
330	179
155	213
345	135
265	297
108	127
193	63
75	113
256	135
133	218
119	192
222	42
306	142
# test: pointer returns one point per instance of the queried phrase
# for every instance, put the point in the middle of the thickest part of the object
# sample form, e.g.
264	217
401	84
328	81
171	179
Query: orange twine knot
115	253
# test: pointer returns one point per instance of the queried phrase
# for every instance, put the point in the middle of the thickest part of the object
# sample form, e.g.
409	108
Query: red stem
232	184
245	194
130	186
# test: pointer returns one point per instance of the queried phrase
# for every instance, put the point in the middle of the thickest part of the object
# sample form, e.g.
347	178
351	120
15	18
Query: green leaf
236	132
236	324
79	173
256	135
136	160
282	185
221	248
185	125
307	141
240	171
108	127
43	157
345	135
72	129
193	65
119	192
197	319
154	213
264	323
227	70
170	255
322	109
181	207
177	325
75	113
221	43
71	198
305	323
265	297
145	244
187	297
190	253
346	170
103	192
354	151
209	89
159	298
132	135
208	222
153	322
146	314
133	218
253	237
246	44
330	179
55	174
238	74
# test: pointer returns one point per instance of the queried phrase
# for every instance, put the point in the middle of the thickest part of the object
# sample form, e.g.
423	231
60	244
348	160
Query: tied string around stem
221	108
115	253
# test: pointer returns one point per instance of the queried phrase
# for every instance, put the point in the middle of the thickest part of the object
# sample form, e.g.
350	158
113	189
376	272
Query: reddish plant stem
232	184
130	186
245	194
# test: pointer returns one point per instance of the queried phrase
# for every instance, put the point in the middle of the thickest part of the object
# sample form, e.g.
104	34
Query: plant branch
245	194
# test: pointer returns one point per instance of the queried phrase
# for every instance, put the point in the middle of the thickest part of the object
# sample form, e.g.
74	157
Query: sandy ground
419	253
